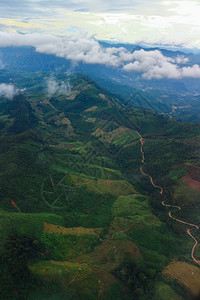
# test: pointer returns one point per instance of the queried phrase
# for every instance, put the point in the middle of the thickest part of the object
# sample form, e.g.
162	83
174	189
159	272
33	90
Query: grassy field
102	186
187	274
51	228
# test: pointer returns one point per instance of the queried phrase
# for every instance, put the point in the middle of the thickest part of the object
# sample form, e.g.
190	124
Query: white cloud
152	64
8	90
180	59
174	22
87	50
193	72
55	87
52	86
77	48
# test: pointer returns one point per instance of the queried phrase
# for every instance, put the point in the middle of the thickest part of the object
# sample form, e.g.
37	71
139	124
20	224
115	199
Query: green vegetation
165	292
135	208
64	247
138	278
68	165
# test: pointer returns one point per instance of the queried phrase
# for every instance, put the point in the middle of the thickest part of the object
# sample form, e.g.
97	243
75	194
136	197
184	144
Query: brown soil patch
187	274
98	132
192	183
193	177
119	130
102	96
92	120
73	95
51	228
113	252
110	136
86	87
64	121
93	108
193	172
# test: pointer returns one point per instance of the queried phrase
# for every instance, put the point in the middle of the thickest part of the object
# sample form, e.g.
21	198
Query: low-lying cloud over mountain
58	87
152	64
8	90
79	48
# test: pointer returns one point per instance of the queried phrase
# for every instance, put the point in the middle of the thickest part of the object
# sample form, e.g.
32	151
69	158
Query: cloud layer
8	90
77	48
55	87
27	7
172	22
151	64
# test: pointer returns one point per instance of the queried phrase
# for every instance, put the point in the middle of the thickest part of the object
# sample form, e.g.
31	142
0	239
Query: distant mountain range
178	98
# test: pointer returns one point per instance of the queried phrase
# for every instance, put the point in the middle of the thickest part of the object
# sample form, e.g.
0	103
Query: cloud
40	7
153	64
55	87
86	50
180	59
52	86
171	22
192	72
80	48
77	48
8	90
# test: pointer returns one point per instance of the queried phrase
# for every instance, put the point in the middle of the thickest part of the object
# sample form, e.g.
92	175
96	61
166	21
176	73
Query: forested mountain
98	197
179	98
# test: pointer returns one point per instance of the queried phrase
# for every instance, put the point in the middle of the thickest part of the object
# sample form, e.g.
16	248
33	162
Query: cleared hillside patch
114	187
51	228
186	274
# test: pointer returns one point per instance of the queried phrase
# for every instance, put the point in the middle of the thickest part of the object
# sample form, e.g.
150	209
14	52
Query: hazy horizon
149	22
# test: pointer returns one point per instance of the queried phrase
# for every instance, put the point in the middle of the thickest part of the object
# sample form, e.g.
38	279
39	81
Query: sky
72	30
148	21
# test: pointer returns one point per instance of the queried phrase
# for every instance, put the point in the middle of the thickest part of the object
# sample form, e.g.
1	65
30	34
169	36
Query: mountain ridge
78	165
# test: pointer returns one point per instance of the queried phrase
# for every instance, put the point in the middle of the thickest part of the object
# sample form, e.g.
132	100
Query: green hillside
78	218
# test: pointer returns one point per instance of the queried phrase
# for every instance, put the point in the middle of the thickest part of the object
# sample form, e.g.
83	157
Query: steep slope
73	191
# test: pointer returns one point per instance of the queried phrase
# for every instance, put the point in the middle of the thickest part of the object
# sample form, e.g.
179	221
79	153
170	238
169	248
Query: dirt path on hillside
142	141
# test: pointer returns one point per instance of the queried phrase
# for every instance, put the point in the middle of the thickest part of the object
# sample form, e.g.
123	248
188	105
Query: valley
98	191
